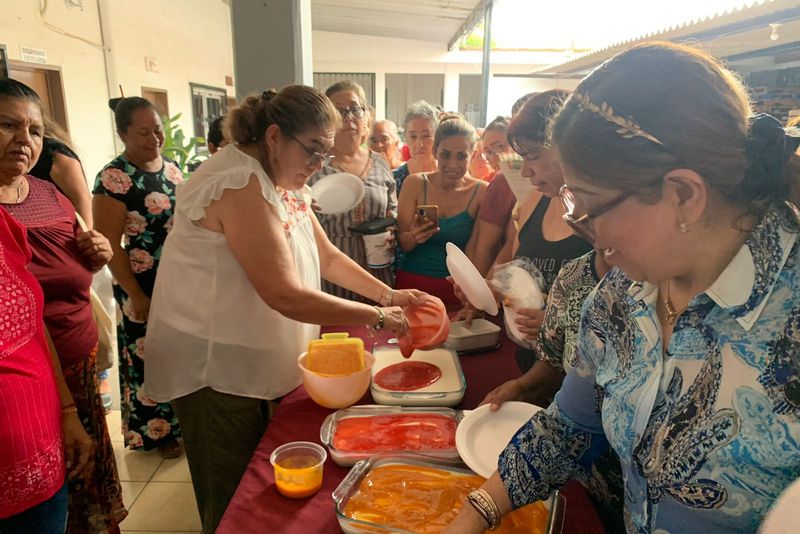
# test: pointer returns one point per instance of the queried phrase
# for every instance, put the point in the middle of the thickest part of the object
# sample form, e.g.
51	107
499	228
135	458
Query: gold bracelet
379	324
486	507
69	409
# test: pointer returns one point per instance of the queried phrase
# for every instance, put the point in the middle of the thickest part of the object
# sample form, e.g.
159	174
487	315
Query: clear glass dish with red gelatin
359	432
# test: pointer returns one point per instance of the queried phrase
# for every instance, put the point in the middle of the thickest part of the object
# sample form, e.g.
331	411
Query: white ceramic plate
470	280
784	515
482	435
338	193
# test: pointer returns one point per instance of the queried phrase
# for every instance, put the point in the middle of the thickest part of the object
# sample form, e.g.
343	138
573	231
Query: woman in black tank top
544	237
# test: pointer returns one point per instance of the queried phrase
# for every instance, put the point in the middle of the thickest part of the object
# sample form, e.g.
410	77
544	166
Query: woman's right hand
394	319
422	230
508	391
141	306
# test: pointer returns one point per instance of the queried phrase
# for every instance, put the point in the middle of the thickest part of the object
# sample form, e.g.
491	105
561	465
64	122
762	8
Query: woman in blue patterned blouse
689	349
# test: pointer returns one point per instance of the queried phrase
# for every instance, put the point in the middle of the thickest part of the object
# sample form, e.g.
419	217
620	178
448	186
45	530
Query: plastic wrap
520	283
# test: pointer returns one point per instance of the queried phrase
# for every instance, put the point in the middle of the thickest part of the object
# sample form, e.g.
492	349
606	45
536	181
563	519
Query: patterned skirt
95	498
146	423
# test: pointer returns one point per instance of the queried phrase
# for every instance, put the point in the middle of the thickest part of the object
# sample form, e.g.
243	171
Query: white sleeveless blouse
207	326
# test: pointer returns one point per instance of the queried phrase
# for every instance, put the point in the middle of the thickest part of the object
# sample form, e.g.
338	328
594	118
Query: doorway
47	82
157	97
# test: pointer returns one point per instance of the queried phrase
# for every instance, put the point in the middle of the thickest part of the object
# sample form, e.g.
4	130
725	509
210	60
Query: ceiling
442	21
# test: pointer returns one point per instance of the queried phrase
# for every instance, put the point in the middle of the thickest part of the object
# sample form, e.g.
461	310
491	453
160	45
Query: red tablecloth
258	507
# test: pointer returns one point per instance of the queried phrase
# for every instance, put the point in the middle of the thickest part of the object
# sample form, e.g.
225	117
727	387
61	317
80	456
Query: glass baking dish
344	457
447	391
350	487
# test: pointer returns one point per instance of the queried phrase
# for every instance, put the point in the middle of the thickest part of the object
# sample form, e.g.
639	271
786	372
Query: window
208	103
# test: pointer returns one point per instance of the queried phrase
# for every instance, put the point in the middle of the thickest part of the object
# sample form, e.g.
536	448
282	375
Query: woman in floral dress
135	197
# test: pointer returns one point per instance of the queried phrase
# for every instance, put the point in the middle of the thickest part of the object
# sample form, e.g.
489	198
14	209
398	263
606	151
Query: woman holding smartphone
437	208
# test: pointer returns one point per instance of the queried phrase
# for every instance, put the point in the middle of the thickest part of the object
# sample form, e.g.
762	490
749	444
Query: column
271	44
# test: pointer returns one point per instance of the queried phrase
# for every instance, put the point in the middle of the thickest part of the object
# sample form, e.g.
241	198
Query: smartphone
429	212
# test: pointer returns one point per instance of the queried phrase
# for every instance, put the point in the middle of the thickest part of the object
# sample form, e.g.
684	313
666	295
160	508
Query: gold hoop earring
684	227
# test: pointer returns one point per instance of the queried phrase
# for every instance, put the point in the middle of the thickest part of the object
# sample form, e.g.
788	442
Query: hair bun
450	116
268	95
768	149
114	102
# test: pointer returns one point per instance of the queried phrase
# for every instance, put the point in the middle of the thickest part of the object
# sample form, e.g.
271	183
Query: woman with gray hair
420	124
380	199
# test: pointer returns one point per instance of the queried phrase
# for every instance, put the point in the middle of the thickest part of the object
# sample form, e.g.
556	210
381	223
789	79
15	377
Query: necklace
672	314
19	191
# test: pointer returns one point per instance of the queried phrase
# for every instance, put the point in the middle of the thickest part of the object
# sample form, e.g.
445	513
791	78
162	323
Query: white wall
190	39
340	52
81	63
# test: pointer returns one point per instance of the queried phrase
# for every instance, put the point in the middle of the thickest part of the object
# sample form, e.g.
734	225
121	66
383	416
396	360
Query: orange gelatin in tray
425	499
395	432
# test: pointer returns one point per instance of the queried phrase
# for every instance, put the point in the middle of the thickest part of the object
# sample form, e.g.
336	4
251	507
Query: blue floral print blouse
708	431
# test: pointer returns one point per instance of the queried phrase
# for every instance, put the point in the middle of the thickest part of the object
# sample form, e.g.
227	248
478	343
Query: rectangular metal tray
556	504
447	391
348	458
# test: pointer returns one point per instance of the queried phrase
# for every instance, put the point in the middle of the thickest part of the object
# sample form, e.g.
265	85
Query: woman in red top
63	258
33	492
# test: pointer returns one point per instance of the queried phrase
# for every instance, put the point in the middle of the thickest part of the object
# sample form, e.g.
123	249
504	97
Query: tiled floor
157	492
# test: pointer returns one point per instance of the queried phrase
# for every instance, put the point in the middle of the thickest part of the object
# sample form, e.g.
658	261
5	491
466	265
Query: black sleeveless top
45	163
548	256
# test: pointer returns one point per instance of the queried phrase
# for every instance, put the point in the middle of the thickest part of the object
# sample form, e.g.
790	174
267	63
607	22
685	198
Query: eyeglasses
355	111
314	157
581	225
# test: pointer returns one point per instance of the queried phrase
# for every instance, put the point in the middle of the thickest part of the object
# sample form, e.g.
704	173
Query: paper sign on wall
33	55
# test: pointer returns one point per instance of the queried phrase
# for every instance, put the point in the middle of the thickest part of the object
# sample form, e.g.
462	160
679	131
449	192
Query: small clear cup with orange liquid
298	468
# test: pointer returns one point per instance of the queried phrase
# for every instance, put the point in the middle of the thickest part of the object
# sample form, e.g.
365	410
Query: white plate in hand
338	193
469	280
482	435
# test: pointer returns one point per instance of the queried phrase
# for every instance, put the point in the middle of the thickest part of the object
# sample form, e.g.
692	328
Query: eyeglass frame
581	224
314	157
355	111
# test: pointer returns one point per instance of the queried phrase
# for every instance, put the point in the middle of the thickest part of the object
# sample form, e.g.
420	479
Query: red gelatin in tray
395	432
407	376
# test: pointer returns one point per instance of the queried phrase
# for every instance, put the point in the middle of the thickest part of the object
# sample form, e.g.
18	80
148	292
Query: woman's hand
141	306
404	297
95	248
78	445
508	391
422	230
468	313
468	521
529	322
394	319
391	240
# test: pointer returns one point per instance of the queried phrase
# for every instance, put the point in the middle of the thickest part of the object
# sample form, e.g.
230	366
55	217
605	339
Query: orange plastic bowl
429	326
336	391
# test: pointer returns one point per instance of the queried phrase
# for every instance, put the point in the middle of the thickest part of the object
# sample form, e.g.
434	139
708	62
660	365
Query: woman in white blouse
237	297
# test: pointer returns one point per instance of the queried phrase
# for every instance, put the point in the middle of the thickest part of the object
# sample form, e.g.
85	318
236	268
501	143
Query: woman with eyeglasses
688	349
238	295
351	156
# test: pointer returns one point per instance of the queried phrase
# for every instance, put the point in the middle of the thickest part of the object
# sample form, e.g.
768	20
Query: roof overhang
742	30
444	21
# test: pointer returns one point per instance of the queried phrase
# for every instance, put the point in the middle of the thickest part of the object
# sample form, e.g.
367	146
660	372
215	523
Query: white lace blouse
207	326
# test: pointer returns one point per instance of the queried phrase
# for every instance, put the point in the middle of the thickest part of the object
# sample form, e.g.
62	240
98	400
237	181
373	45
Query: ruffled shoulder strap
231	171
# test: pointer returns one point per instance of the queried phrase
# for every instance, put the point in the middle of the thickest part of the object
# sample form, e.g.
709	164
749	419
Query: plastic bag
520	283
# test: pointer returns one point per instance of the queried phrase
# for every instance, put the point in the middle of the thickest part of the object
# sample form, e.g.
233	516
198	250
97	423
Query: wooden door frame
57	95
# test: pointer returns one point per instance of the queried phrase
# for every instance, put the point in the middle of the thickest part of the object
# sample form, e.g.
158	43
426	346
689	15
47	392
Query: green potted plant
179	147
